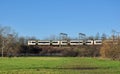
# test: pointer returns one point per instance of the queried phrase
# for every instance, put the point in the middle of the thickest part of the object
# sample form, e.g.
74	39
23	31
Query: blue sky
43	18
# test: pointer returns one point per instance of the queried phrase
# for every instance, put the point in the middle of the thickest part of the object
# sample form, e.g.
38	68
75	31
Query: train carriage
43	42
56	43
97	42
64	42
32	42
76	42
89	42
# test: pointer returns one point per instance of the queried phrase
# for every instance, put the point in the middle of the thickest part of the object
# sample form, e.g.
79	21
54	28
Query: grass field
58	65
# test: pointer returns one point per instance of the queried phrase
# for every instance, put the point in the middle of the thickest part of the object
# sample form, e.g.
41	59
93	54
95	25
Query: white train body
89	42
76	42
55	42
43	42
65	42
31	42
97	42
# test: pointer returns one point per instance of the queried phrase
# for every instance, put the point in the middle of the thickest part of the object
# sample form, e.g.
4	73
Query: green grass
58	65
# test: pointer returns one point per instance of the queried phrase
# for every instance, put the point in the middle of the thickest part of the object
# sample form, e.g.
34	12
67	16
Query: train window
64	42
88	42
74	42
43	42
99	42
54	42
33	42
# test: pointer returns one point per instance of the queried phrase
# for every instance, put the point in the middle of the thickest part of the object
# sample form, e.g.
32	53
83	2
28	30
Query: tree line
13	45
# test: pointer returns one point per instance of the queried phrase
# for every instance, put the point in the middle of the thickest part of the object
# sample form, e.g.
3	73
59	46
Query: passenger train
64	42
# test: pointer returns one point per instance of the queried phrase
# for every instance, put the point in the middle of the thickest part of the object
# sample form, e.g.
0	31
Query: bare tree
97	37
7	40
104	36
